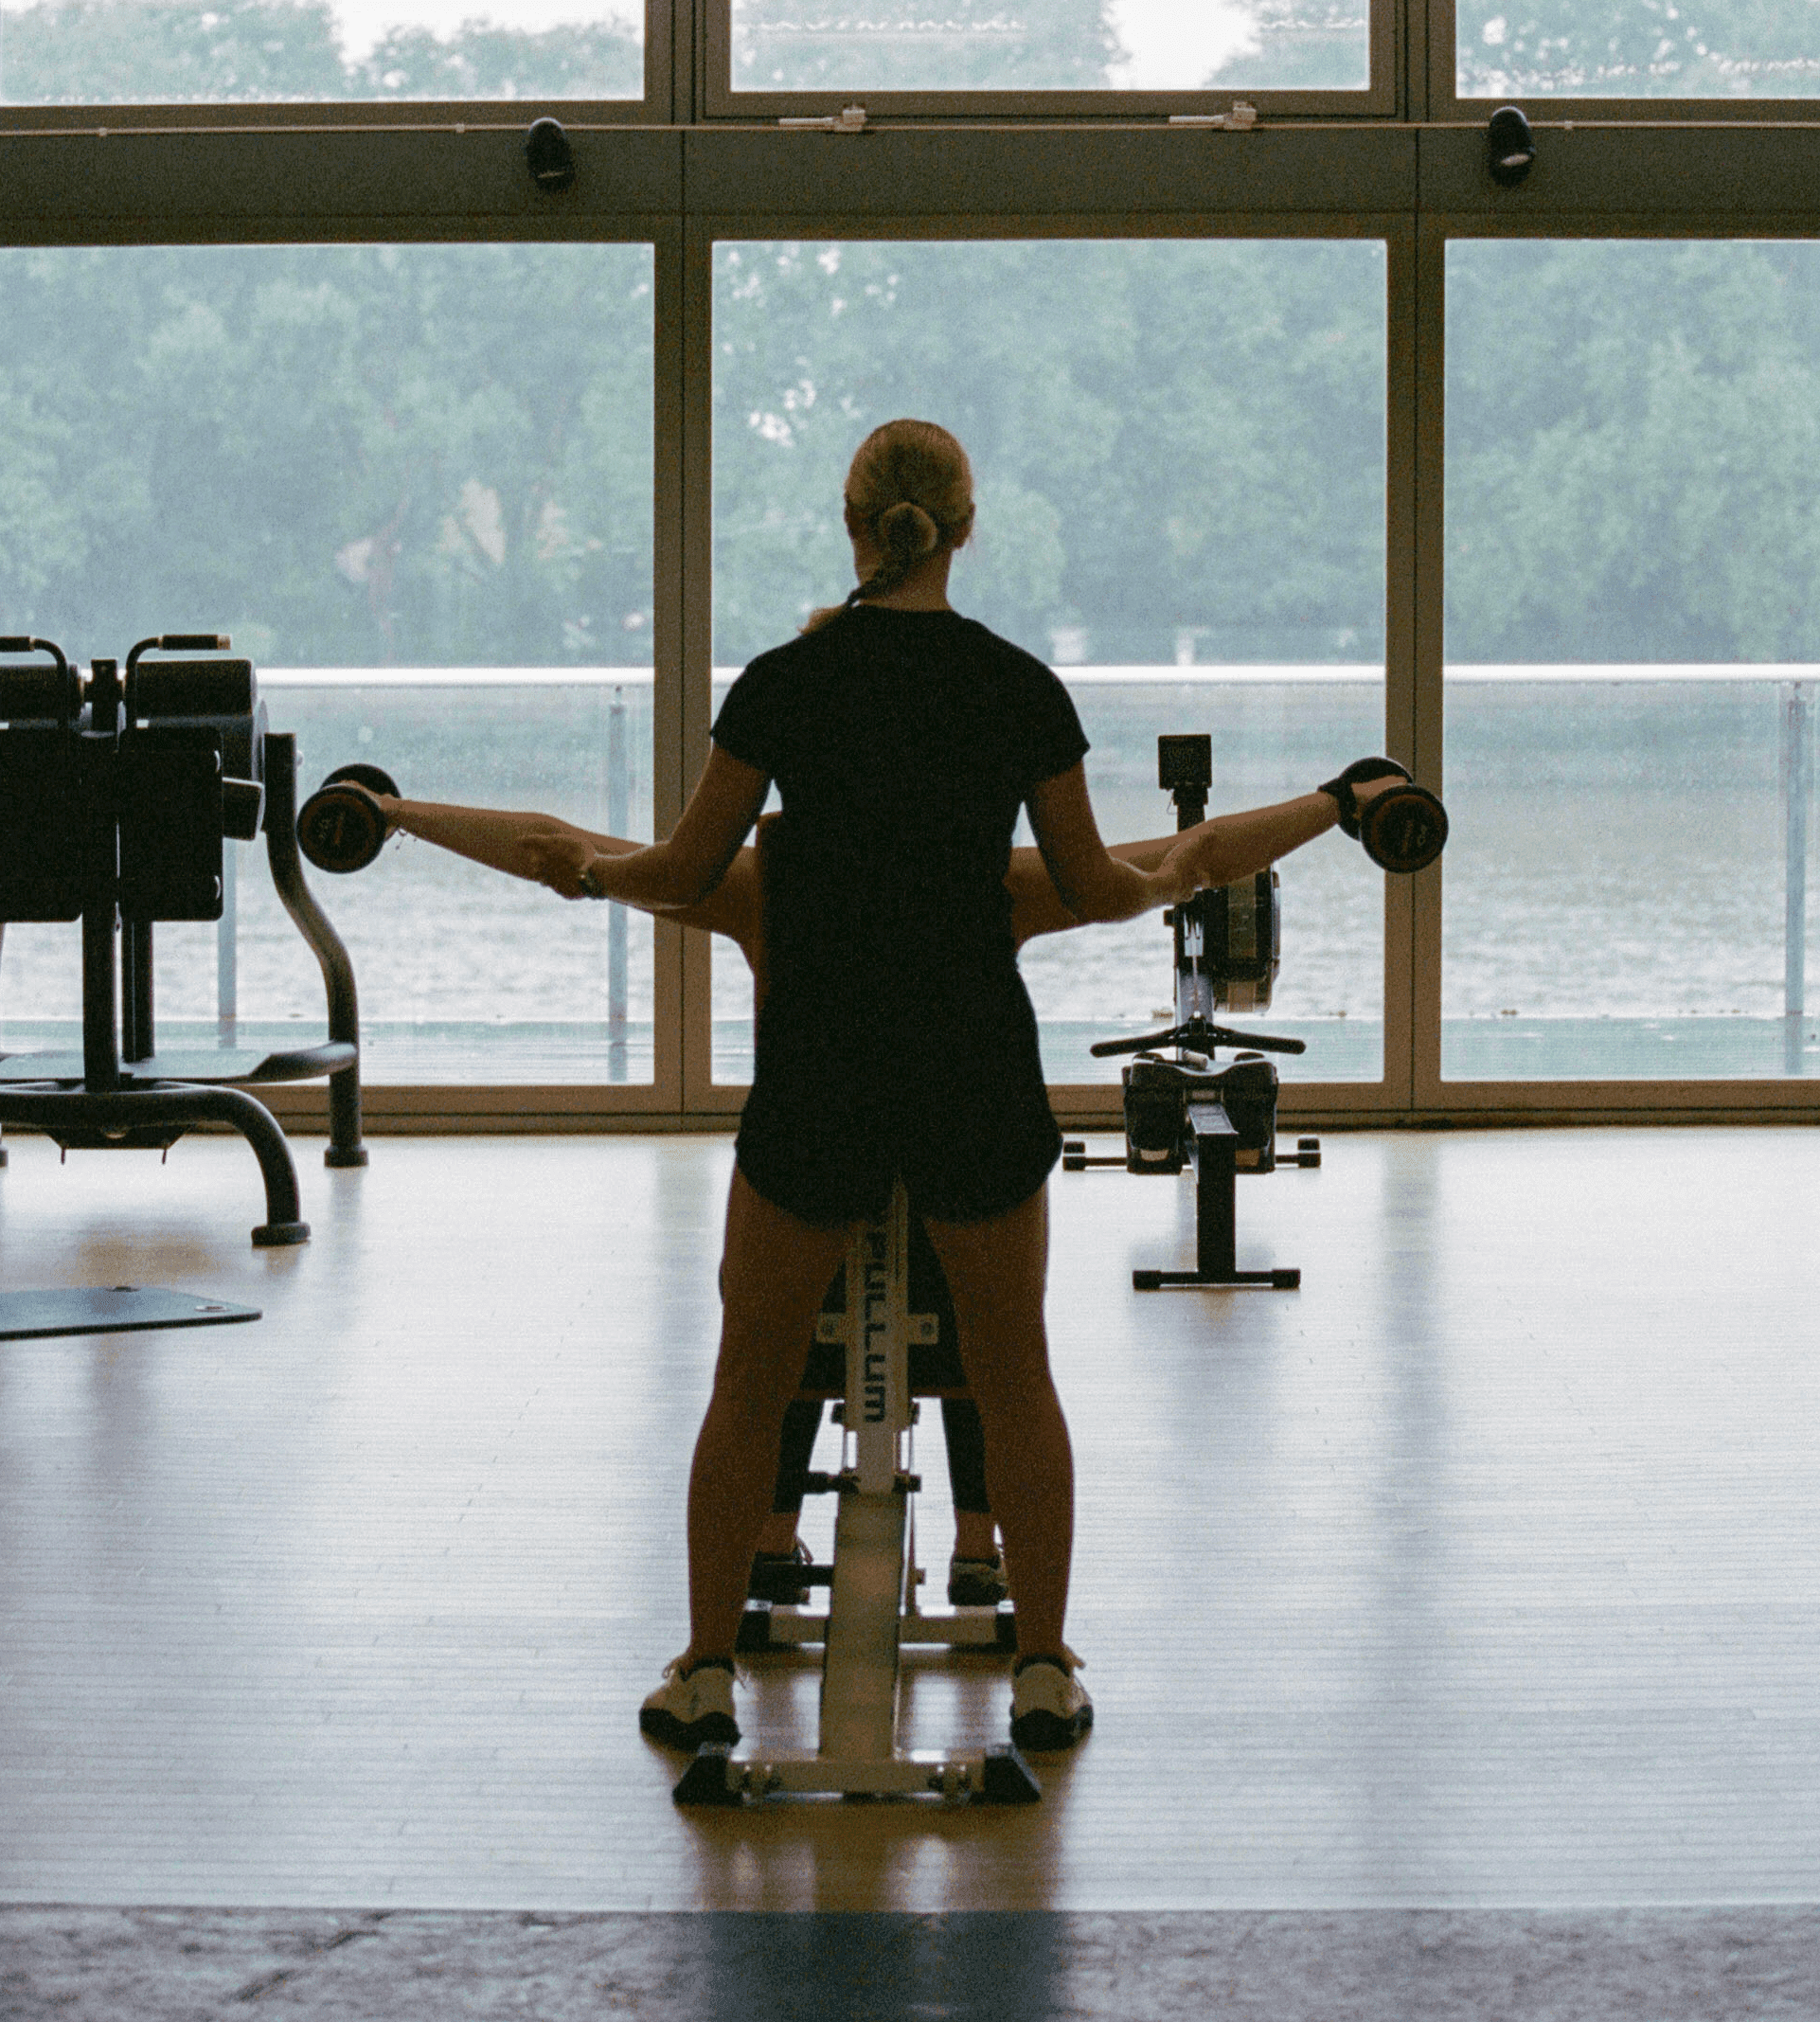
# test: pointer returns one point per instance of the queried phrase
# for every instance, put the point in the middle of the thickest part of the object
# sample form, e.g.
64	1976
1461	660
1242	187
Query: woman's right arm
518	844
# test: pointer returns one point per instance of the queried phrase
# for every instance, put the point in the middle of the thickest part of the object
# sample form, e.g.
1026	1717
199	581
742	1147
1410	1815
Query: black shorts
963	1119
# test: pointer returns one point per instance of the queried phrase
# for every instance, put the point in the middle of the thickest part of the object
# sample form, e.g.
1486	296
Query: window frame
1079	1103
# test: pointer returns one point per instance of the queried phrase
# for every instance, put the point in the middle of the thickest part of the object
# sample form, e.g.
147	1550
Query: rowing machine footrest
754	1633
708	1779
1005	1777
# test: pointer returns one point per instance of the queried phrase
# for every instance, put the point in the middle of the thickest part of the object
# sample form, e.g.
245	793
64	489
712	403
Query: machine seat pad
209	1067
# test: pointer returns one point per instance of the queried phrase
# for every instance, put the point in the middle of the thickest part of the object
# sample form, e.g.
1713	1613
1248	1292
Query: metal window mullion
669	576
1428	696
695	462
1415	89
1402	981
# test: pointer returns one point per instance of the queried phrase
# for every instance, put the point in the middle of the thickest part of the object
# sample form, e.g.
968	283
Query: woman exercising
896	1037
1226	849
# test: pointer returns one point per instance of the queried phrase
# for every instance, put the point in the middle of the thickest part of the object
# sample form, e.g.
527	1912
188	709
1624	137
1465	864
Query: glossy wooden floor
1480	1572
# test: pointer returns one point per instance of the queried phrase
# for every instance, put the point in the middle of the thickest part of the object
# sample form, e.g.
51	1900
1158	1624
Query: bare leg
777	1273
996	1271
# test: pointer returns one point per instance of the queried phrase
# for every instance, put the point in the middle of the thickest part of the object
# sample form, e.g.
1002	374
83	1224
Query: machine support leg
1216	1207
1216	1187
345	1147
283	1223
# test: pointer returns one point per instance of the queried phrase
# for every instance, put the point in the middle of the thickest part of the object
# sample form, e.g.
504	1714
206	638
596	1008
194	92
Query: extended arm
1220	851
548	850
1091	883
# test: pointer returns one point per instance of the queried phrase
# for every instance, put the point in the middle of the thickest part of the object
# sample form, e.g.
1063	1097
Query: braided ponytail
912	490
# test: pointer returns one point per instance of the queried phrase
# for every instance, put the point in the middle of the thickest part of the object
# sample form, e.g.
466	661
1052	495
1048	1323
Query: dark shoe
976	1583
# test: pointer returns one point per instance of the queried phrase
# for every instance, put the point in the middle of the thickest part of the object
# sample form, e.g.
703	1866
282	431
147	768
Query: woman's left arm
1091	883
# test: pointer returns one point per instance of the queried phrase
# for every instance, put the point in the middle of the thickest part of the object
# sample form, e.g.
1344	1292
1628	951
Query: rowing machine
1189	1110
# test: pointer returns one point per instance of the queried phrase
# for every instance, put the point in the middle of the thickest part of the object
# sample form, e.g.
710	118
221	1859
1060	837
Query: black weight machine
1187	1110
117	791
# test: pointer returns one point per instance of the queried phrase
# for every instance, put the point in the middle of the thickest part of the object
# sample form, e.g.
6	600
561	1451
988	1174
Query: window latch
1242	118
849	120
1509	146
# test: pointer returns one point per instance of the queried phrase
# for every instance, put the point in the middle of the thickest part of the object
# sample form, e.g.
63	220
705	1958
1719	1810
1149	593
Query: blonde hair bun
905	529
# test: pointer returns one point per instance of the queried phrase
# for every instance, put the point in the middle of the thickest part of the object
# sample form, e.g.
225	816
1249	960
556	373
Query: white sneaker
1049	1707
688	1708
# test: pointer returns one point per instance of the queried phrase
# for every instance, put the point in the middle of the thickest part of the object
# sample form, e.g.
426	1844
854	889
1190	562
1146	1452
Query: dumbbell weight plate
371	776
1404	829
340	827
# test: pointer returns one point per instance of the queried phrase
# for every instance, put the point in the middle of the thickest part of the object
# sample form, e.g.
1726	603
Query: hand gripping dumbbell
1402	829
340	827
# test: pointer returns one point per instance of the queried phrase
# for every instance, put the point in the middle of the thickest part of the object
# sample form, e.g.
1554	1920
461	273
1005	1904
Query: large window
1638	49
427	518
112	52
1294	423
1179	454
1051	46
1633	627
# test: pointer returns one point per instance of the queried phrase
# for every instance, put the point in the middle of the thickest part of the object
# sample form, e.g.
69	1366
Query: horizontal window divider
1036	109
1719	174
980	172
1676	114
223	183
723	227
399	1110
964	180
440	116
460	1111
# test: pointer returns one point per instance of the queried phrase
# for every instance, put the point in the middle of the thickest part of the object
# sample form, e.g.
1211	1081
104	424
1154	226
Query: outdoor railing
1795	687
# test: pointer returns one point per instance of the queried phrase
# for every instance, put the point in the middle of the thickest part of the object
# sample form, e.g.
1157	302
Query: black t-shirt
904	745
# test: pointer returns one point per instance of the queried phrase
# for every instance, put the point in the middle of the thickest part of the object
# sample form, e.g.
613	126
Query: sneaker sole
688	1734
1047	1733
976	1593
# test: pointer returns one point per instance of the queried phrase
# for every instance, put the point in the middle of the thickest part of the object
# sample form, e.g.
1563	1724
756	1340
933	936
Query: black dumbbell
1404	829
340	827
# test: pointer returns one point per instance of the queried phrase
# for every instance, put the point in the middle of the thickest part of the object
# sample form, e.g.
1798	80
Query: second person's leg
996	1273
